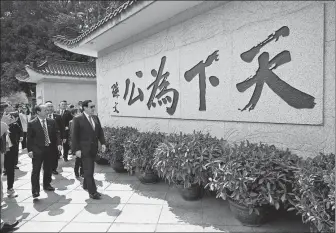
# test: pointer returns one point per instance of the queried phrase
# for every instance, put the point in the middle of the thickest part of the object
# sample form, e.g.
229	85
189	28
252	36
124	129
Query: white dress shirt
90	120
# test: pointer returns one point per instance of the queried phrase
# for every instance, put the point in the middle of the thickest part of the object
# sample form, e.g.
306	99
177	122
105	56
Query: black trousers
24	141
9	165
88	167
38	160
78	166
54	158
66	148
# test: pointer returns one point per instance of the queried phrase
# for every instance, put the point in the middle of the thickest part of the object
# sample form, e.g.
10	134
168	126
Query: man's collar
40	119
87	115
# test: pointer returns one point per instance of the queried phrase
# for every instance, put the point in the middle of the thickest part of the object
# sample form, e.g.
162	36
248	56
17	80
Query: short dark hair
86	103
63	101
37	108
71	106
49	101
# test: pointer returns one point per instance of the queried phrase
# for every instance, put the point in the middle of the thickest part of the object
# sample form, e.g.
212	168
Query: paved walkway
126	205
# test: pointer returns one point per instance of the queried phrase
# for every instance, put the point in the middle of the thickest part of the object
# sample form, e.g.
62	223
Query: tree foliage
27	28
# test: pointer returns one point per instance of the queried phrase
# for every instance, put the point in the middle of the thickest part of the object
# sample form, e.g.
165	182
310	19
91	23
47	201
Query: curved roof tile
67	68
108	17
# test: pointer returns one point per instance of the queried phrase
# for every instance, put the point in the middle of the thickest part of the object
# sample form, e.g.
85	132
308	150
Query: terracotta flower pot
241	212
190	194
147	177
118	167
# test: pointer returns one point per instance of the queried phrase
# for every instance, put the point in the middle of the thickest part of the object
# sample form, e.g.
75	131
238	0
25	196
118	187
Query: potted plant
139	153
314	193
180	159
115	137
253	178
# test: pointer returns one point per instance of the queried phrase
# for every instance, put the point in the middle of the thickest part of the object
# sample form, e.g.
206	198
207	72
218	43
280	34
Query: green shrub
253	175
180	159
314	192
115	138
139	150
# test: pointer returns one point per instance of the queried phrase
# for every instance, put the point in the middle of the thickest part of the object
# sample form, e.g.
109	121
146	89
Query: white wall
71	92
229	19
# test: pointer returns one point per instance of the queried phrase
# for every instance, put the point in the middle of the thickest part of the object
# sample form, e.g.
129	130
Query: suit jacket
59	124
66	118
84	138
35	135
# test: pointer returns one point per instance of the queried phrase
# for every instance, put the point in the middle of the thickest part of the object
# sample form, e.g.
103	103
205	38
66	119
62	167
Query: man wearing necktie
86	131
42	139
60	128
66	117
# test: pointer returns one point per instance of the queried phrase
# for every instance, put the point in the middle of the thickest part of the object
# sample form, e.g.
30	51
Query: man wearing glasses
86	131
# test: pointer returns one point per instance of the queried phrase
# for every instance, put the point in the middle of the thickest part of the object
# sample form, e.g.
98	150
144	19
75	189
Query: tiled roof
66	68
108	17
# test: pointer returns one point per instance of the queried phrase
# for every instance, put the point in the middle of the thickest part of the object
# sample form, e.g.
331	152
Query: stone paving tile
181	215
22	195
99	213
158	187
148	197
114	197
86	227
126	176
66	184
47	197
75	197
174	198
135	213
214	228
219	216
23	211
123	185
59	212
41	227
123	227
178	228
19	183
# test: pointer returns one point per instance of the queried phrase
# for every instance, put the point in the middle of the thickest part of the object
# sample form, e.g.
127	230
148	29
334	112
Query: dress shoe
95	196
49	188
7	227
55	172
35	195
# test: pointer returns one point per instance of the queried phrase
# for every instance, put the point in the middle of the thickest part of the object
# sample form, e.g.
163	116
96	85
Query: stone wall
306	140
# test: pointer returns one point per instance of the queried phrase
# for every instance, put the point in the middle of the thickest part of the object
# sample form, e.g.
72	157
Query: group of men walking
51	132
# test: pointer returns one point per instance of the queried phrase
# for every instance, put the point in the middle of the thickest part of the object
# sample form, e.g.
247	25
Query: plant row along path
257	179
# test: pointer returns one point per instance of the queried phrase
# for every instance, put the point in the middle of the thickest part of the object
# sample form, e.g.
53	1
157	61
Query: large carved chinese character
132	100
199	70
265	74
161	83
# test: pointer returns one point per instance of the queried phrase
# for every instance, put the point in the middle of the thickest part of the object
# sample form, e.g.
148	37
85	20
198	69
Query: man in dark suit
60	127
42	139
86	131
66	118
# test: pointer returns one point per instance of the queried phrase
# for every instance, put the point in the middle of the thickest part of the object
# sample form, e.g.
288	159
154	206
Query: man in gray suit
86	131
